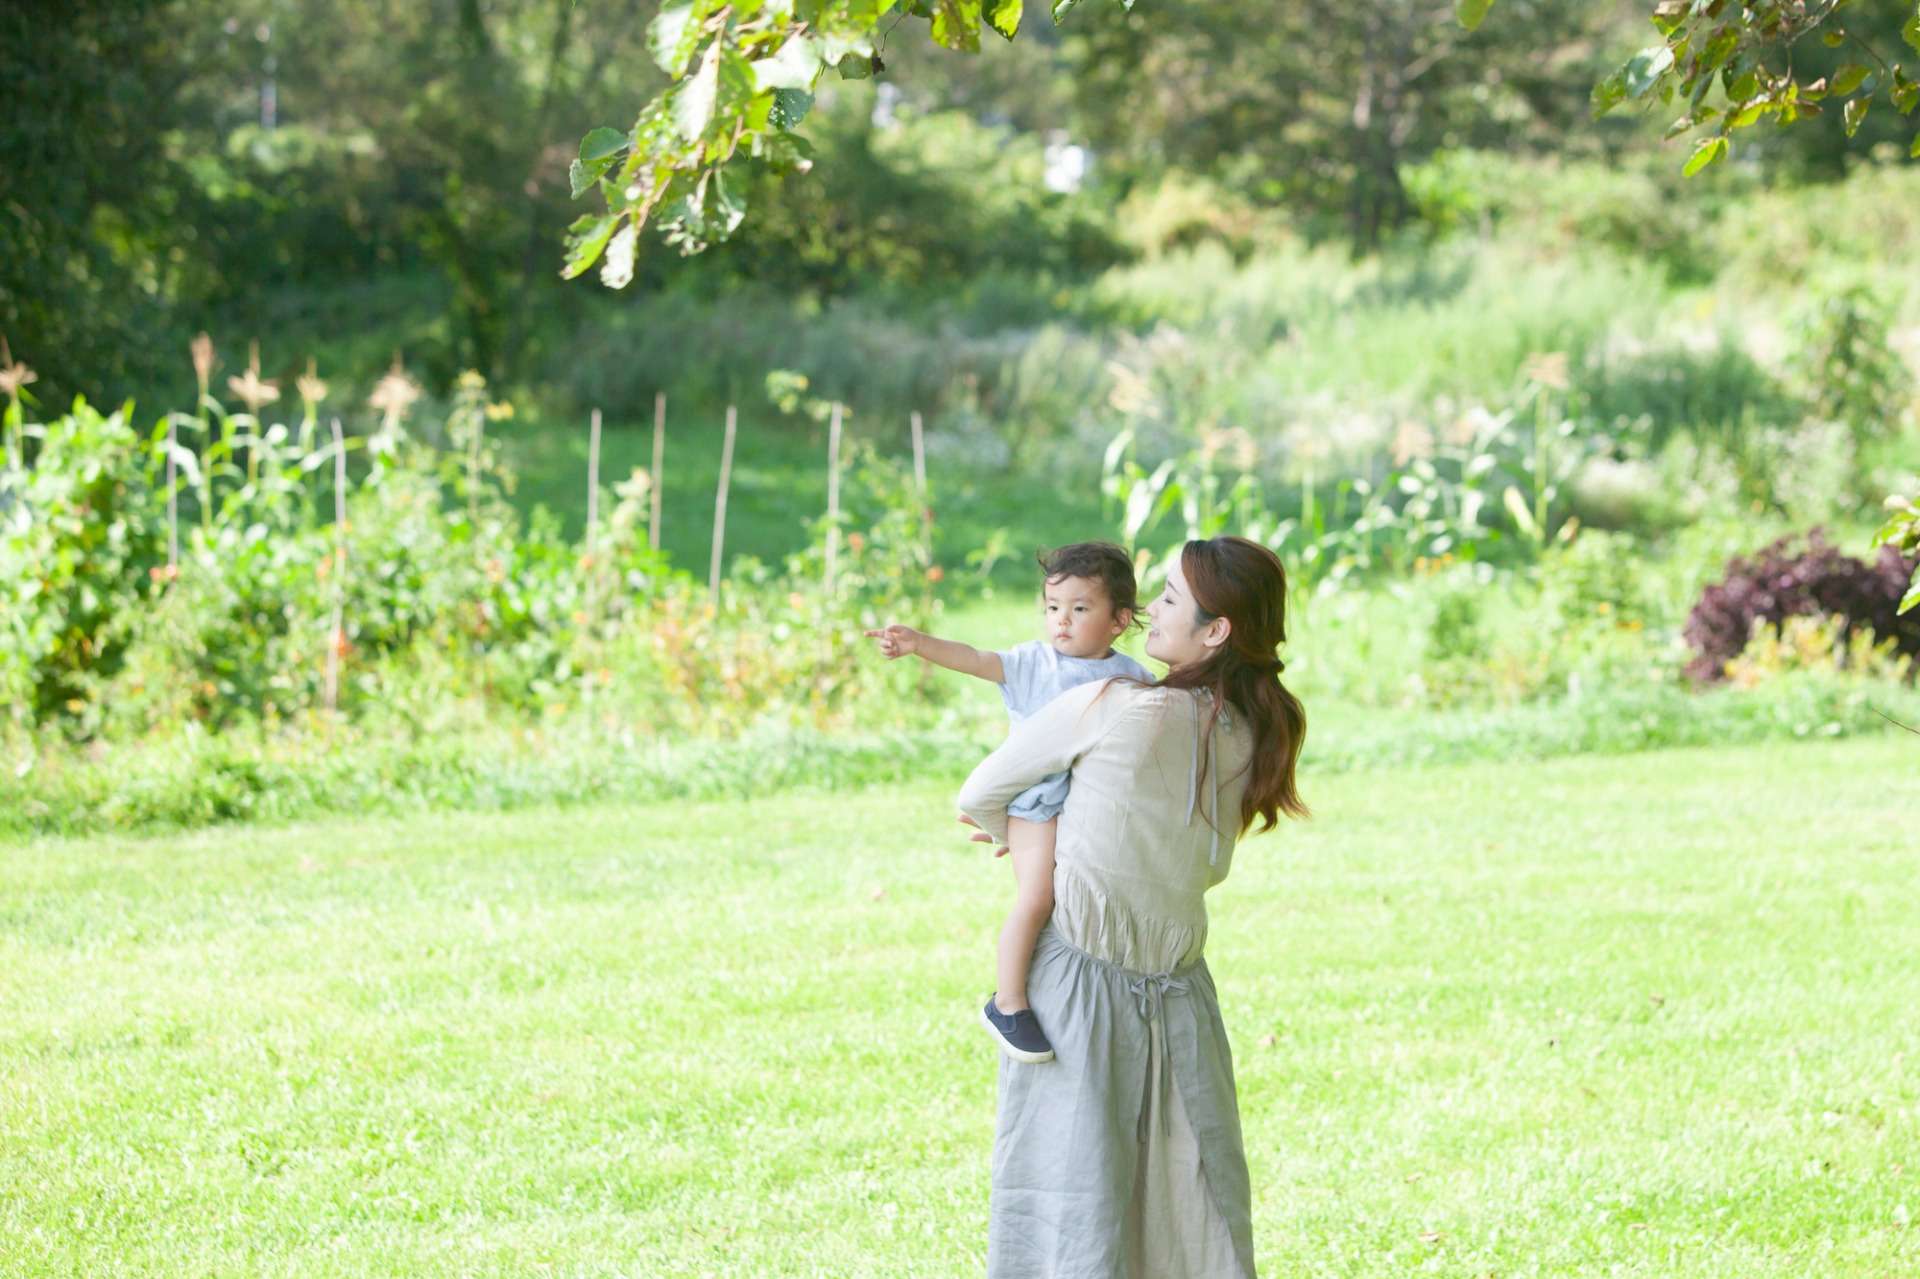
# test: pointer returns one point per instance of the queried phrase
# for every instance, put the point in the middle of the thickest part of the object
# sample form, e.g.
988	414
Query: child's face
1081	621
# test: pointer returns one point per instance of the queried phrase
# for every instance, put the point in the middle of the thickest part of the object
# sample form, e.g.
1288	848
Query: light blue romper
1034	673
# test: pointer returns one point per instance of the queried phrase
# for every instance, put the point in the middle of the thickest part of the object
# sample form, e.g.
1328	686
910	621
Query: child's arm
897	641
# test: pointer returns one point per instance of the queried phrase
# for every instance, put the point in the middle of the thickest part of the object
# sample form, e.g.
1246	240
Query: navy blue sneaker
1018	1033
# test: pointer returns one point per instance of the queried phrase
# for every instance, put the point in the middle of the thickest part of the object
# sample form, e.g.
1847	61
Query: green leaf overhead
1471	13
586	239
671	37
693	103
616	270
1709	150
1004	16
1609	93
601	144
790	107
1846	79
956	24
1644	69
794	66
1854	112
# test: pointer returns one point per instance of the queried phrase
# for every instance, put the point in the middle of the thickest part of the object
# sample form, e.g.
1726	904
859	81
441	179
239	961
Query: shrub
79	539
1782	581
1851	370
1594	577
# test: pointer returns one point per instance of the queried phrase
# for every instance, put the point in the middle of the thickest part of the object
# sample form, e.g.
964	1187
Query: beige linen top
1142	836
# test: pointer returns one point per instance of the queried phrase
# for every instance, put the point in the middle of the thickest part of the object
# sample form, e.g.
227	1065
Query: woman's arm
1047	742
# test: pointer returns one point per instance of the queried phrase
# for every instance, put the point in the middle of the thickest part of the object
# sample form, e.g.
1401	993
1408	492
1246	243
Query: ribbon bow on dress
1149	993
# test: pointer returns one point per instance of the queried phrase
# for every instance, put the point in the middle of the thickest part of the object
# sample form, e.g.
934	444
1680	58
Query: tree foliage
1315	104
742	78
1295	90
1784	60
1322	109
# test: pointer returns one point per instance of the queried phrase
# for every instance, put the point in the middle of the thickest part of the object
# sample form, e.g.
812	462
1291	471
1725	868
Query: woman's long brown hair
1245	583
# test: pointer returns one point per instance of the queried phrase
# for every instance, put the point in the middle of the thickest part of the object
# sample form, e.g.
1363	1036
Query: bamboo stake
336	633
588	676
919	450
833	494
659	458
593	479
926	505
720	509
920	476
173	506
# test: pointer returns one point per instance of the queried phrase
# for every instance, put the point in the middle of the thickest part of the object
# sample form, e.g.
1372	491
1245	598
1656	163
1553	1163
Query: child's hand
982	837
896	640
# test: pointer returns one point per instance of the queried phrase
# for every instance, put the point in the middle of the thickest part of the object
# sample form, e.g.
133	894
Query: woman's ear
1217	632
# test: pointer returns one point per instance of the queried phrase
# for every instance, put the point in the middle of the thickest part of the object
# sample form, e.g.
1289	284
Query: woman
1122	1156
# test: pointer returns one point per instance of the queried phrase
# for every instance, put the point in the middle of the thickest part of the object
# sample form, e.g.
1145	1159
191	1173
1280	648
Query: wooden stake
593	479
173	507
919	450
920	476
720	508
833	494
336	631
588	676
926	506
659	459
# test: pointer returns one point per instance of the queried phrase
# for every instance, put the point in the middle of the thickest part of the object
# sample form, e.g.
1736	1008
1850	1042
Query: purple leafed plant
1780	581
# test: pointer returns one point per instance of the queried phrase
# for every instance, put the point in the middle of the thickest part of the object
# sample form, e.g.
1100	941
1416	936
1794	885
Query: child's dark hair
1102	562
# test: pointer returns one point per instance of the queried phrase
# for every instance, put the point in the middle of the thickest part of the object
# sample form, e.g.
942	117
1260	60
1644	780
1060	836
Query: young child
1088	602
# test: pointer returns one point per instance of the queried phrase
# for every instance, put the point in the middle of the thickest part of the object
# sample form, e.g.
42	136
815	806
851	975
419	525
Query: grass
190	780
1644	1015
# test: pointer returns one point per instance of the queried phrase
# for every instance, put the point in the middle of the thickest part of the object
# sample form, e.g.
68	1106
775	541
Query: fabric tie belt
1149	995
1150	992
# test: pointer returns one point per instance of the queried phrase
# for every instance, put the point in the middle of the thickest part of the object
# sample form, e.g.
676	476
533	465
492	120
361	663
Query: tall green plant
1902	532
80	544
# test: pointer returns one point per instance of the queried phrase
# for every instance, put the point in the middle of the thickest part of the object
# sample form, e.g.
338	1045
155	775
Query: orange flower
935	573
856	543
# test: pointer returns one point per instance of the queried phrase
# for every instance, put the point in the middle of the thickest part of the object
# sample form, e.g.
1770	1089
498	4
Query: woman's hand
982	837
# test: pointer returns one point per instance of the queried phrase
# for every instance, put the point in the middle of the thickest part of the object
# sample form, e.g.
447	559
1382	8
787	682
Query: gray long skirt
1121	1158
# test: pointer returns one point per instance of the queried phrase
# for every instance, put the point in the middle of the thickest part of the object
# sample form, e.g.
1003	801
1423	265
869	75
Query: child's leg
1030	845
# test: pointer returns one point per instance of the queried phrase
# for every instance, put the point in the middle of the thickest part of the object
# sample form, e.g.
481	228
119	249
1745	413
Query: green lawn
1639	1015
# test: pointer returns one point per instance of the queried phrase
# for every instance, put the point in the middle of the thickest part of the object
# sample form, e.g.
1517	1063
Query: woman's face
1176	636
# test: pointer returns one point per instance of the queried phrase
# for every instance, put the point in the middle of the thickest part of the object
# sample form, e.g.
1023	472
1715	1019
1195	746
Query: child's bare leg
1030	844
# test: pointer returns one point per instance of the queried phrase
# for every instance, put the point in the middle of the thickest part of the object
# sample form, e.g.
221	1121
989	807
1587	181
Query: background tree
1321	107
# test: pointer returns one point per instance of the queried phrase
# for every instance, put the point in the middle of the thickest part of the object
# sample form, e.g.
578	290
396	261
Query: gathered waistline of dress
1051	934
